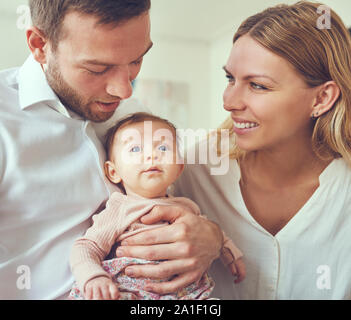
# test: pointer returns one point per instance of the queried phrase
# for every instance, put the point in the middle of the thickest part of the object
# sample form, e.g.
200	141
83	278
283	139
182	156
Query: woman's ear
326	97
111	172
37	44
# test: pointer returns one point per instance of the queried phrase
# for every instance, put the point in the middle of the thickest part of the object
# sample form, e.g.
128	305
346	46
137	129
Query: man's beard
69	97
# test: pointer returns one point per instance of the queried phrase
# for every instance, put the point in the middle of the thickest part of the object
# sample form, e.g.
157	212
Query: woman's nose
233	98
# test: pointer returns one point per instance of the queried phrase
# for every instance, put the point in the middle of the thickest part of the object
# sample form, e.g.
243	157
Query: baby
143	162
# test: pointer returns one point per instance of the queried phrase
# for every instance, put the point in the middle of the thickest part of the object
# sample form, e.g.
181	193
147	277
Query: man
53	111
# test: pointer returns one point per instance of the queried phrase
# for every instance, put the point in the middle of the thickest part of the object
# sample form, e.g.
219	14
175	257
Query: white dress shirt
51	182
310	258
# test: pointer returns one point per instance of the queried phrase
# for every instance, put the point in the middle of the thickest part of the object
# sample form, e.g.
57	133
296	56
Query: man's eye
138	62
97	73
135	149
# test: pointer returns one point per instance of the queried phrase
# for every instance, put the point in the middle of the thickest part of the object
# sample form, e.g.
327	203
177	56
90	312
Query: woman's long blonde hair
319	55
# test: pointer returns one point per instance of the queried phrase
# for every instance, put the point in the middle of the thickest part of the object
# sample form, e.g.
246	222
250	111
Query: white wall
187	61
14	49
219	53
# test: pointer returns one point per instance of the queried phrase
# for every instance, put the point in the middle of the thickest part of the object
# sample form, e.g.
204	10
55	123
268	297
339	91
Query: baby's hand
238	270
101	288
236	266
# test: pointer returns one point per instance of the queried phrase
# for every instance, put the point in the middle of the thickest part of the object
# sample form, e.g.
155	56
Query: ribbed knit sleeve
89	251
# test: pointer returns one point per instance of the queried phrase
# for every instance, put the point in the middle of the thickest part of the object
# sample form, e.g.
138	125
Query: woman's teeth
245	125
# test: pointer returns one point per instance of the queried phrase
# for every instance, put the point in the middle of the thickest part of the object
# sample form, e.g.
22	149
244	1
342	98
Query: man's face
93	67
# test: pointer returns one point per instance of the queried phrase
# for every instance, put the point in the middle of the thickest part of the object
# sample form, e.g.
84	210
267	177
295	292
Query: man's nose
120	83
233	98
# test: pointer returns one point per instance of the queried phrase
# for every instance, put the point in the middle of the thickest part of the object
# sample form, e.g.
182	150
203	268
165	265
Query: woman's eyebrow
251	76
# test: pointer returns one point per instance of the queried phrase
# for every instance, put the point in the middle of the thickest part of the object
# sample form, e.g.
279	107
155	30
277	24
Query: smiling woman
291	42
286	199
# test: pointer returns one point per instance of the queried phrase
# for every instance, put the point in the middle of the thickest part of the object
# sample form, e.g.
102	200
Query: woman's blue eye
162	148
230	78
135	149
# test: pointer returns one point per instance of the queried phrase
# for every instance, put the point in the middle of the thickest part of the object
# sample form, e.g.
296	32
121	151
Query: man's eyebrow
250	76
146	51
106	64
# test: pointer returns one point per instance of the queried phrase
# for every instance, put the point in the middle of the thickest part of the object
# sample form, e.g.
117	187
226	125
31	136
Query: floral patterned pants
134	289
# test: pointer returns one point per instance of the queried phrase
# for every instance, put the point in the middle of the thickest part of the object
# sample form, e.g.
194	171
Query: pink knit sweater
119	220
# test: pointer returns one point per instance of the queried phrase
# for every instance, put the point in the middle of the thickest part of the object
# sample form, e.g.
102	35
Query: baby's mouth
152	170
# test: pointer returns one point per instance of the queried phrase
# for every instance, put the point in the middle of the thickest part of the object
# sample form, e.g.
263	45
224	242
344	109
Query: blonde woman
286	200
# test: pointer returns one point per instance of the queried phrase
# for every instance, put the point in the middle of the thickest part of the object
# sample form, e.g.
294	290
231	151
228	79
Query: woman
286	200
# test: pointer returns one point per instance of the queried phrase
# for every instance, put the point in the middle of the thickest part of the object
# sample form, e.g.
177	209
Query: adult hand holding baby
188	245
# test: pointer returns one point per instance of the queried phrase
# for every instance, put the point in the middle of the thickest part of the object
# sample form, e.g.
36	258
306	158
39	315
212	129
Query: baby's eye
163	148
135	149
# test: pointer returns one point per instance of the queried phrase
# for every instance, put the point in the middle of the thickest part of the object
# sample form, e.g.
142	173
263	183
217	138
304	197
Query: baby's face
144	157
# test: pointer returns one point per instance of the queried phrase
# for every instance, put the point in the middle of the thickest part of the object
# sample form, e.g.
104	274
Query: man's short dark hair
48	15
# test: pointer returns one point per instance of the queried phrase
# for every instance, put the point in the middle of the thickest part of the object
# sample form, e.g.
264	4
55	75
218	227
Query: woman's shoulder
204	177
337	171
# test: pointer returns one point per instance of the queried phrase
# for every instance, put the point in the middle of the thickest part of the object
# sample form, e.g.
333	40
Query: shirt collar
34	88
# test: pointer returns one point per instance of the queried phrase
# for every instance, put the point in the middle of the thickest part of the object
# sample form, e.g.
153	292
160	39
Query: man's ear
38	44
111	172
326	97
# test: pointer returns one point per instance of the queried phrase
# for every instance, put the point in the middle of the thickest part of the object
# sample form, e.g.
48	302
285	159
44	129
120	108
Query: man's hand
101	288
189	245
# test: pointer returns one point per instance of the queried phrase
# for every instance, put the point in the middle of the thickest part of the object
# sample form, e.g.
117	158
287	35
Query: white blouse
310	258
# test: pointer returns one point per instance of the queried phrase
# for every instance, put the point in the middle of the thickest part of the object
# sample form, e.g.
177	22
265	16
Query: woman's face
269	102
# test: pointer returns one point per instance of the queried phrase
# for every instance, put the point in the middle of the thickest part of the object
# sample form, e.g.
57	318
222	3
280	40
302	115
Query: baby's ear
181	169
111	172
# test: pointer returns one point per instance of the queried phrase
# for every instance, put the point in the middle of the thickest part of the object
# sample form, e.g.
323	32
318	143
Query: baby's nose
152	157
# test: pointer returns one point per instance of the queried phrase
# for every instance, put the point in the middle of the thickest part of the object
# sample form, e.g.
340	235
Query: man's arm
188	245
2	158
